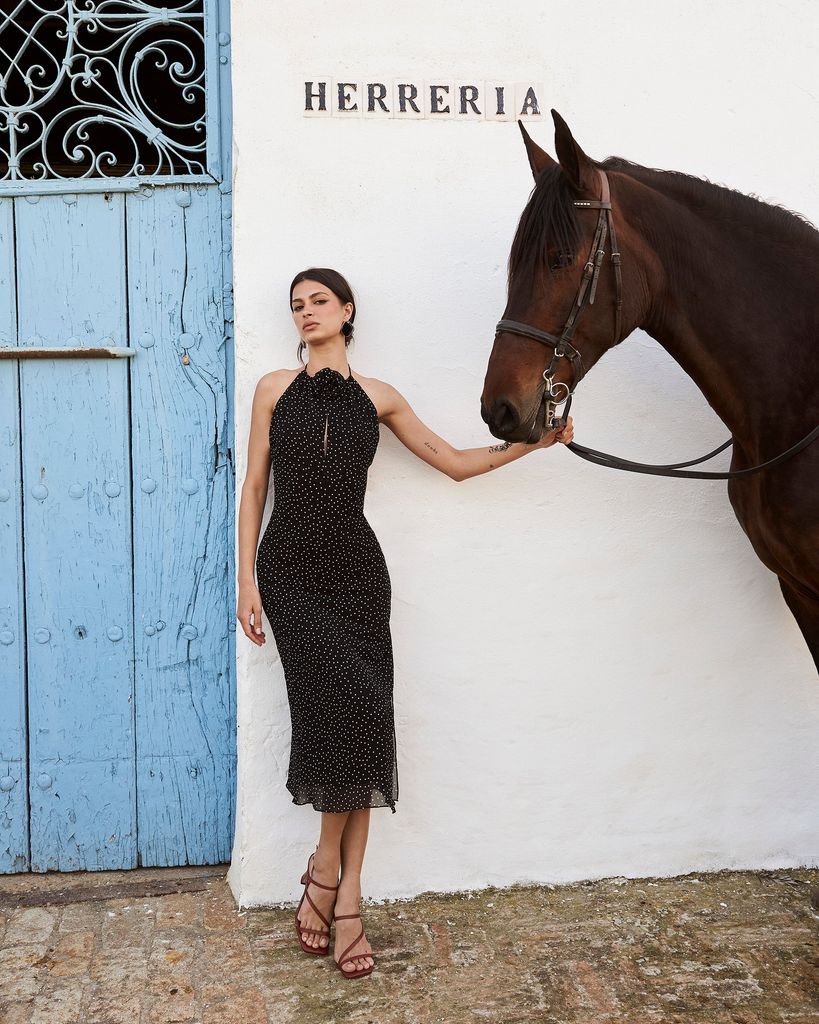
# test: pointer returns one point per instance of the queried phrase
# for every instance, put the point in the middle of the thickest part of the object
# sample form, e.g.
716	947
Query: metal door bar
47	352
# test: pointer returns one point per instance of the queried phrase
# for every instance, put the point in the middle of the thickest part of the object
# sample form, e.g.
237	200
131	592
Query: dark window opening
105	89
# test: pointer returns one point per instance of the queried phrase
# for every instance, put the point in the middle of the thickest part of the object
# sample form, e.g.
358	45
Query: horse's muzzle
505	421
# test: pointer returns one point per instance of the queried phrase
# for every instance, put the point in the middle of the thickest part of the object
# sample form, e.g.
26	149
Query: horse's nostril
504	418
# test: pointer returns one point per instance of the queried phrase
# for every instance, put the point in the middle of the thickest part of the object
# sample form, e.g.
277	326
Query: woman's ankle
350	886
326	860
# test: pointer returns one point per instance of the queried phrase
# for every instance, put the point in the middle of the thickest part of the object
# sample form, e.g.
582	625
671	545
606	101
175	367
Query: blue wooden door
117	628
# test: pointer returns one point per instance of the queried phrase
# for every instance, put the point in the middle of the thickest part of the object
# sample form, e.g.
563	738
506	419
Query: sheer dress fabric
326	591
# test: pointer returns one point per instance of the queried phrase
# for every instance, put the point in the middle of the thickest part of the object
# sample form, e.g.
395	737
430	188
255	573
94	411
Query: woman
324	586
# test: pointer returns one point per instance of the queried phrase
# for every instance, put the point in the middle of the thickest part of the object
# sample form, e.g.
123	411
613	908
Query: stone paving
169	947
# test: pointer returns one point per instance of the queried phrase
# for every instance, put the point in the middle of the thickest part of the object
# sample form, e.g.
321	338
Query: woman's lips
308	326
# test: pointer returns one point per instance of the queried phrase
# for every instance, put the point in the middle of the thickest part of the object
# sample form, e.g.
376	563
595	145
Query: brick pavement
731	948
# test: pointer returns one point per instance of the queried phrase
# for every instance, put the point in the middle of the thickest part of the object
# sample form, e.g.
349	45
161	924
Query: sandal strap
312	881
358	970
315	931
341	917
344	958
321	885
316	909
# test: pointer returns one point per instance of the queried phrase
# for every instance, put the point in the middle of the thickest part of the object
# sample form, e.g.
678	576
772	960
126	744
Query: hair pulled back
338	286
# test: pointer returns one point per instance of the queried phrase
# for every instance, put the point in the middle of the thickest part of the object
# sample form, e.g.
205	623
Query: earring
346	328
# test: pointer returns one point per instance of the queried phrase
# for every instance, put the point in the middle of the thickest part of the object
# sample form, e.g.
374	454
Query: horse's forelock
549	221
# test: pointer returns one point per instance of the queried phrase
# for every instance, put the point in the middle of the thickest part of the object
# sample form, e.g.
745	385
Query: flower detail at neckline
327	369
327	381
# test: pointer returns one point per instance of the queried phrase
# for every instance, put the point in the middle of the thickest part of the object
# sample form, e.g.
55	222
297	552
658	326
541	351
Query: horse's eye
561	260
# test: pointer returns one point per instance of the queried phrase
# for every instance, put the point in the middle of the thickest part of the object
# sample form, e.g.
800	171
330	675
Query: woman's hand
563	436
249	604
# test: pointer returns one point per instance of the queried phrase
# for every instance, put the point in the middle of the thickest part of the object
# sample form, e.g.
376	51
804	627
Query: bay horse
726	283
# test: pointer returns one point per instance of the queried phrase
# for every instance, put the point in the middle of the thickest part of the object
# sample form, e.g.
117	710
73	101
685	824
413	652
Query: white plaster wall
594	674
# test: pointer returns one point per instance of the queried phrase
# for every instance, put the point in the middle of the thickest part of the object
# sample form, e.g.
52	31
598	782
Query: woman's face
318	313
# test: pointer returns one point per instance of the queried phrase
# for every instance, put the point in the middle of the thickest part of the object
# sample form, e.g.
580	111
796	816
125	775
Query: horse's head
551	268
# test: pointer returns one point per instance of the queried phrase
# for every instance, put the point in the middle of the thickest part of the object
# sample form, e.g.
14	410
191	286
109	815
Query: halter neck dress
326	591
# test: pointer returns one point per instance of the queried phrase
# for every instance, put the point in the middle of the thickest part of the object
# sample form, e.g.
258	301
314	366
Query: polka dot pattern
326	590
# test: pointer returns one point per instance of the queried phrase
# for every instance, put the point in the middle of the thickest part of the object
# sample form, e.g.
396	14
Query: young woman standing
323	583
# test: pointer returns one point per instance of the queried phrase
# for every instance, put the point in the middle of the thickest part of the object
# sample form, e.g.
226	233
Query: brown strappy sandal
359	972
307	879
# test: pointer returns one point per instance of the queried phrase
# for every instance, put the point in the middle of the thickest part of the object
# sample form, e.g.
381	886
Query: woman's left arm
458	463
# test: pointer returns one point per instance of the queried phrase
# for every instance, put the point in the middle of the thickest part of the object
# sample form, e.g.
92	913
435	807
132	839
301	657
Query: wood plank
77	522
14	851
85	888
183	585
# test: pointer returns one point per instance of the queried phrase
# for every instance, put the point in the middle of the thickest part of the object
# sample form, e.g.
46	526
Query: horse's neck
735	307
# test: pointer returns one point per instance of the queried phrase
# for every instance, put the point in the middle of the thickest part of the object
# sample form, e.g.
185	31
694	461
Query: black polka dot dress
326	590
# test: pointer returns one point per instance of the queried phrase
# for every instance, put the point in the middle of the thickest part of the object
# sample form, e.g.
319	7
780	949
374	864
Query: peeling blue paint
117	735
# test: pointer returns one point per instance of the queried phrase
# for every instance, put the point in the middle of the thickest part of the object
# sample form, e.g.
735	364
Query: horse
724	282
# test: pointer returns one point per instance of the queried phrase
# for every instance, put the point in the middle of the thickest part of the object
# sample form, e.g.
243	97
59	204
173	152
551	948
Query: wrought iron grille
101	89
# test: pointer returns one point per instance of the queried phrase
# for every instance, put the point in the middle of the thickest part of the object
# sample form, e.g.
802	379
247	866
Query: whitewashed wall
594	674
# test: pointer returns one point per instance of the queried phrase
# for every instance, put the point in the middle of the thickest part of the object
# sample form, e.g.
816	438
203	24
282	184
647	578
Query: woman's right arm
252	501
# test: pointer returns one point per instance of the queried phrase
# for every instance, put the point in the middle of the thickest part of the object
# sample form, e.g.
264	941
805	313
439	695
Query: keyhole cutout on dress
326	424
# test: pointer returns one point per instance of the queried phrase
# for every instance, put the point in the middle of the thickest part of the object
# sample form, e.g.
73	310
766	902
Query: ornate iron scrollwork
102	89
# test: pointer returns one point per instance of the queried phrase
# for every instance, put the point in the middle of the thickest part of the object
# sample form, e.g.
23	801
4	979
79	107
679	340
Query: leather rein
552	395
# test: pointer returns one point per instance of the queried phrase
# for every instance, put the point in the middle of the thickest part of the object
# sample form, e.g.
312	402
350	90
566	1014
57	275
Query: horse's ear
538	158
577	167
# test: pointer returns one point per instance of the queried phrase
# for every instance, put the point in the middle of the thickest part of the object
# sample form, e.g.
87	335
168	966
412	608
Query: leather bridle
551	396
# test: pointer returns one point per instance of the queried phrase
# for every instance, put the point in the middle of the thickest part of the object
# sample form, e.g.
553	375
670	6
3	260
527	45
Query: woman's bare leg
353	845
325	867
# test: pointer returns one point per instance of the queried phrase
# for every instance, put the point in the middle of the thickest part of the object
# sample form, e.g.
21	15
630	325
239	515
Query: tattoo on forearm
500	447
431	447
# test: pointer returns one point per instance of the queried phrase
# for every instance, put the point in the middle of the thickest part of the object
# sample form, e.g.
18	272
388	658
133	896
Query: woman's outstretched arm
458	463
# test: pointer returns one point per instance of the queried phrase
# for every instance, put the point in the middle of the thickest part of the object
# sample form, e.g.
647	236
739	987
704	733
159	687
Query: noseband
552	396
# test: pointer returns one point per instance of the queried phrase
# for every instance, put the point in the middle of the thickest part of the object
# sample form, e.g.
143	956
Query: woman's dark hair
338	286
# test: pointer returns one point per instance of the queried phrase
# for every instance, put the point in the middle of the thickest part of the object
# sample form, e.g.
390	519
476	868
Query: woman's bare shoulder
383	395
373	386
272	385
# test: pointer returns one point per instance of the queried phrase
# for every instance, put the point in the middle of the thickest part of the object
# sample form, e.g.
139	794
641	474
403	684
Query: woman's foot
324	870
347	902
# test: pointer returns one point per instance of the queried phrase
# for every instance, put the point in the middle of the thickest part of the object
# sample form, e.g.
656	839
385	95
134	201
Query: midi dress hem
331	806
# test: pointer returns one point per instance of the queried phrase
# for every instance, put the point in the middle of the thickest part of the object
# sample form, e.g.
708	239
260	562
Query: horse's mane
549	221
699	190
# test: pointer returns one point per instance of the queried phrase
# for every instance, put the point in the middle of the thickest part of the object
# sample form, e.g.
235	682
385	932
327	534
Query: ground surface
164	946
